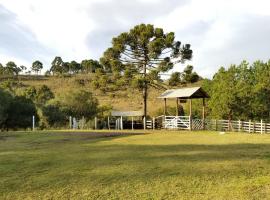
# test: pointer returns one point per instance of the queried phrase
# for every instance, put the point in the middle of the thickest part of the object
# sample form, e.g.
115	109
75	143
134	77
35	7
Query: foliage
79	103
20	112
11	69
188	76
142	51
90	66
241	92
5	100
37	66
175	79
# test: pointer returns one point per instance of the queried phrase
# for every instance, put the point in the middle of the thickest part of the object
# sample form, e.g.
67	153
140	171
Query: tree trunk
144	92
145	99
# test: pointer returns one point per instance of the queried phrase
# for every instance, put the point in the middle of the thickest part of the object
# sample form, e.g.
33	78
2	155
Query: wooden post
95	123
70	122
144	123
215	124
165	106
132	123
261	126
33	125
254	127
109	123
121	123
190	123
154	122
190	107
177	107
203	114
239	125
249	126
190	114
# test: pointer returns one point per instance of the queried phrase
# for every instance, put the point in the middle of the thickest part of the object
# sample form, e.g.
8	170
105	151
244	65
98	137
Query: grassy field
159	165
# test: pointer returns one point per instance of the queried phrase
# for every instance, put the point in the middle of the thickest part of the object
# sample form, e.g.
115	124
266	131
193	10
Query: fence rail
184	122
237	126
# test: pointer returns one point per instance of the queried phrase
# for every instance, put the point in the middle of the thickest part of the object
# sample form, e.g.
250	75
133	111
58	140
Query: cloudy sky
220	32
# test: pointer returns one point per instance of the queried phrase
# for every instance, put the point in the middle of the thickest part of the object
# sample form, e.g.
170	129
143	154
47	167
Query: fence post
132	123
144	123
70	122
254	126
95	123
261	126
154	122
239	125
121	123
109	127
249	126
190	123
33	125
215	124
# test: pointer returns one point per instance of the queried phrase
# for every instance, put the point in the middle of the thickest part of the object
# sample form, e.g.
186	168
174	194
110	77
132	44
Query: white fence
238	126
186	123
177	122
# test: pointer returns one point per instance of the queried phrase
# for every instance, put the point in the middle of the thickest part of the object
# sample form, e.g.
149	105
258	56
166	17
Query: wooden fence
238	126
183	122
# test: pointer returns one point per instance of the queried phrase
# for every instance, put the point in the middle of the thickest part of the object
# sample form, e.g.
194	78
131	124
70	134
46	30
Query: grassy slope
120	100
154	166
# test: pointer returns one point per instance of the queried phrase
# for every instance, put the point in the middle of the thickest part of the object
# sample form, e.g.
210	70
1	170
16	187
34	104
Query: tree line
240	92
18	104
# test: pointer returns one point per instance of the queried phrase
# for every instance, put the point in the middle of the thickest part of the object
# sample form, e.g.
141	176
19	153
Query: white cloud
78	29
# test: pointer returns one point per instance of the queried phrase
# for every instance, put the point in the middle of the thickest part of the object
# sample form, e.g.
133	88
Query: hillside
130	99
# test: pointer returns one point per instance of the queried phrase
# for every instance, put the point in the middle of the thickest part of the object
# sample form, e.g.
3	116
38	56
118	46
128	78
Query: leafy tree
74	67
5	100
12	69
57	66
37	66
2	69
51	116
44	94
90	66
20	113
188	76
175	79
145	49
30	93
78	104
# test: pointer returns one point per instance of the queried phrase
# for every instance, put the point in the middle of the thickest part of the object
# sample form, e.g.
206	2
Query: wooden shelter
121	114
182	95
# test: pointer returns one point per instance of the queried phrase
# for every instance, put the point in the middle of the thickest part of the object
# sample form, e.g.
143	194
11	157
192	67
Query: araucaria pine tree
144	52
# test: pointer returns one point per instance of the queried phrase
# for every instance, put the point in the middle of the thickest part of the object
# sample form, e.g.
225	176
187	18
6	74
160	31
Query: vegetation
153	166
131	66
142	54
240	92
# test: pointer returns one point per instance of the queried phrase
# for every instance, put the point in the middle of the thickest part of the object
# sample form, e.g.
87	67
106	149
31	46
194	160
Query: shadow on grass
50	161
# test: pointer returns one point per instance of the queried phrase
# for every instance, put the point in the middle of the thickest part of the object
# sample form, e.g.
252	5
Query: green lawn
172	165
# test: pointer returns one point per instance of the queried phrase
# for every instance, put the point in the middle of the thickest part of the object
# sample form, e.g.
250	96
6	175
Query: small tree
175	79
90	66
37	66
12	69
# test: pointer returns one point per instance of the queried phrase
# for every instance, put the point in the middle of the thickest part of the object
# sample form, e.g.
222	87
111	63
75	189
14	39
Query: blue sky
221	32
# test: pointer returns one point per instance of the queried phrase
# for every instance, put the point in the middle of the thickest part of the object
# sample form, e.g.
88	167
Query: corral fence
238	126
187	123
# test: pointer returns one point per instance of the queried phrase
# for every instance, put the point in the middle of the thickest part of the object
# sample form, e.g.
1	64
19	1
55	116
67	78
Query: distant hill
128	99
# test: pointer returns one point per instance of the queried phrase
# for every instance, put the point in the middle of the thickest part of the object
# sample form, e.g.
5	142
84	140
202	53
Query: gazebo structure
182	95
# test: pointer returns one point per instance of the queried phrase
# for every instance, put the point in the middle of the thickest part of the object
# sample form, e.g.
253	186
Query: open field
159	165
